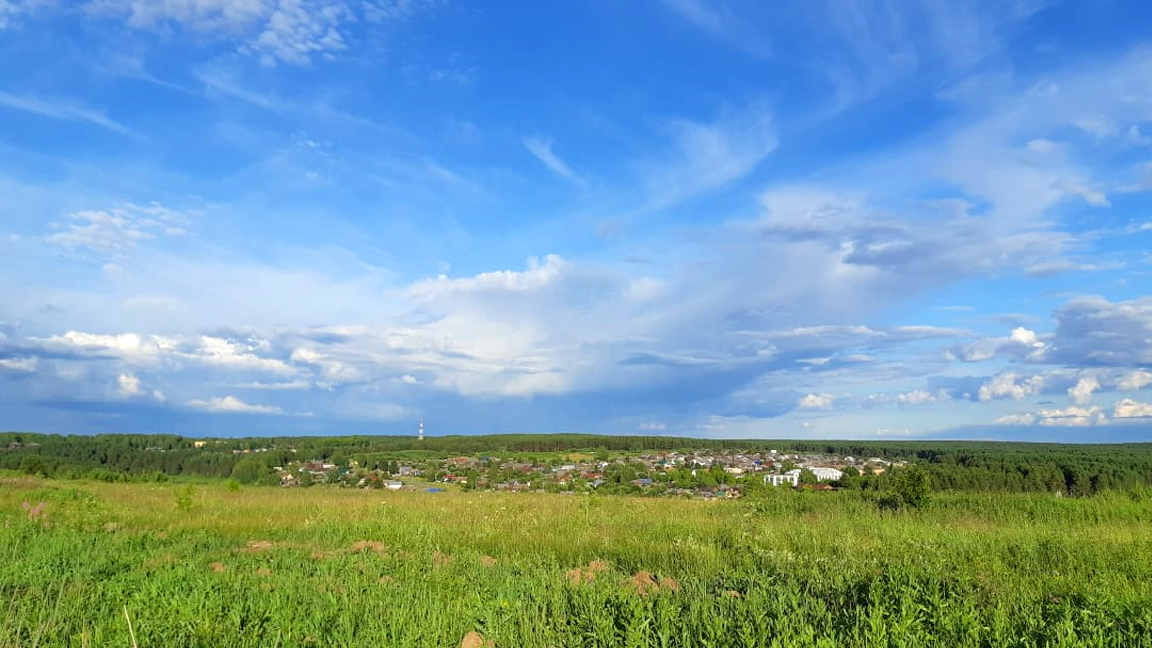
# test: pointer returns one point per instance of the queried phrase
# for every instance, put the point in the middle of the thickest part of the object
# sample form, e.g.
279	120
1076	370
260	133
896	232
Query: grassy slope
792	570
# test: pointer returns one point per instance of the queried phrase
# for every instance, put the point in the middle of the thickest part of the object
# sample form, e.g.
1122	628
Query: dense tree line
951	465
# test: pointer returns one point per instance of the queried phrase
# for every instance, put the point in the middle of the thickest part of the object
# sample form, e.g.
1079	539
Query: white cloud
296	30
653	426
542	148
276	31
205	350
921	397
1010	385
1072	417
232	405
114	232
331	370
19	364
1135	380
235	354
289	385
538	275
129	385
126	345
817	402
1128	408
1081	392
1016	419
62	109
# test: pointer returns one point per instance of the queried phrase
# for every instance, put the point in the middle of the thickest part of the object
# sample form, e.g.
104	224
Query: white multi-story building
826	474
791	477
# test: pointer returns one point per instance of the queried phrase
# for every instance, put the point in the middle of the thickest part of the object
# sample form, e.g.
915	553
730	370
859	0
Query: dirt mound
369	545
475	640
256	546
216	567
645	583
488	561
264	571
581	575
362	546
441	559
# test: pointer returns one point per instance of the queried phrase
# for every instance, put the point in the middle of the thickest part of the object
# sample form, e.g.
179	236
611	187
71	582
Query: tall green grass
792	569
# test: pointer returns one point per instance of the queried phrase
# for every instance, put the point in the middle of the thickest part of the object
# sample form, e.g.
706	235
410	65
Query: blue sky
859	218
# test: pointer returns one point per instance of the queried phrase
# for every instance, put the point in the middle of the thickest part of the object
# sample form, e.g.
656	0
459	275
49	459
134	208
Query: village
704	474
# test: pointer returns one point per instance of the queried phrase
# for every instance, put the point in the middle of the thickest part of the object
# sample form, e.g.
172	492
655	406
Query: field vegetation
86	563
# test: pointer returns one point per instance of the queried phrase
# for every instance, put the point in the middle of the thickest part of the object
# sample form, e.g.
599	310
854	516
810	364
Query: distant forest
1071	469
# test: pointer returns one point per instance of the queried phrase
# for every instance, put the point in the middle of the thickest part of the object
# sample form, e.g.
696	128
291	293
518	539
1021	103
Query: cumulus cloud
1021	344
232	405
1135	380
1010	385
1072	417
19	364
1016	419
921	397
129	385
817	402
331	370
1067	417
1081	392
1129	409
134	349
537	275
912	398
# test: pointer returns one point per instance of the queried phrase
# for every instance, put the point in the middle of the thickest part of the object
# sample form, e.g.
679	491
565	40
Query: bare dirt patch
217	567
369	545
264	571
583	575
644	583
441	559
488	561
475	640
256	546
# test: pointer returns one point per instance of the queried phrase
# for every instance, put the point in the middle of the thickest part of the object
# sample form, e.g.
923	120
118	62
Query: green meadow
178	564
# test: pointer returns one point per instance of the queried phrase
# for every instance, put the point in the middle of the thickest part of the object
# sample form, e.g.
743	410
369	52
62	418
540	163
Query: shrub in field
249	470
910	489
184	498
